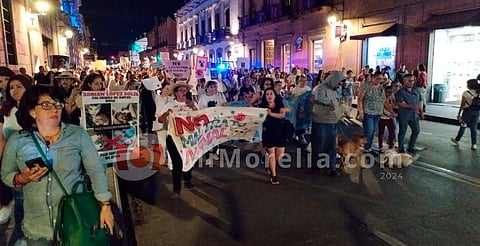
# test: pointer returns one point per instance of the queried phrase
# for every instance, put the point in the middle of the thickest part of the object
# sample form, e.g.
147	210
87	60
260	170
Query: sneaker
175	195
454	141
474	147
188	185
274	180
5	212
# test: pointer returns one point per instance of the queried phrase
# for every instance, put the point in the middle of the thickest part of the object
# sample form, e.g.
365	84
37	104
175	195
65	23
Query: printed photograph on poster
103	141
97	115
125	138
124	113
201	63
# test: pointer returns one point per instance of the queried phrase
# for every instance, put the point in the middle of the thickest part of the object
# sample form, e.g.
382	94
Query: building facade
209	28
31	37
350	34
161	41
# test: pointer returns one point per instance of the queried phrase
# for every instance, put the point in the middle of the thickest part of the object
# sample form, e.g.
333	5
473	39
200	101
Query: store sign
299	43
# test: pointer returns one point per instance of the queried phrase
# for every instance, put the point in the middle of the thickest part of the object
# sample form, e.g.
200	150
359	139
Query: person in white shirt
160	102
212	98
181	103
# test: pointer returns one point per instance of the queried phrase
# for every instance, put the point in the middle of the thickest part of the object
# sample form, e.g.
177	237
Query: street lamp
42	7
195	51
68	33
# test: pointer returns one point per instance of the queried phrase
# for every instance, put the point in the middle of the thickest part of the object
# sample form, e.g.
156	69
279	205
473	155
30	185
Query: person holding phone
180	104
70	150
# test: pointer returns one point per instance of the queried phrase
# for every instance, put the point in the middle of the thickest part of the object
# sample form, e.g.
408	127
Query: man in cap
325	117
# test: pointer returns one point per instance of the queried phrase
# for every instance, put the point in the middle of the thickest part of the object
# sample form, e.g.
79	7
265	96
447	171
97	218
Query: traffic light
159	58
136	47
112	57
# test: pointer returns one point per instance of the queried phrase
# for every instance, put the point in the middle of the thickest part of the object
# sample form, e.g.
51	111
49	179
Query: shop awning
389	29
457	19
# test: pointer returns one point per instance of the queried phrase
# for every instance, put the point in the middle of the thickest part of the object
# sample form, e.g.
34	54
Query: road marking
446	173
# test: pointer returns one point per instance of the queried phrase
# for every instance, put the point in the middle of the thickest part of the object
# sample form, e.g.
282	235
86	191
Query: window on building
209	24
227	17
197	30
317	55
203	26
9	32
217	21
191	31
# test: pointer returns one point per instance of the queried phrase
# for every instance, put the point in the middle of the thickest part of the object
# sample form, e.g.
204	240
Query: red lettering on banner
189	123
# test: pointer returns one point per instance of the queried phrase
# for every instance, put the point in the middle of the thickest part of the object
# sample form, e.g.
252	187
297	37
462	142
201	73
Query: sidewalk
443	113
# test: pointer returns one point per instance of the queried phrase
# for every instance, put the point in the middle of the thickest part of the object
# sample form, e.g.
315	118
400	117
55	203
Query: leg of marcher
176	164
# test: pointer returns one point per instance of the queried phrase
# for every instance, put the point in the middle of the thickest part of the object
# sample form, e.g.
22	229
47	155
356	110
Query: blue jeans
324	142
470	117
370	126
415	127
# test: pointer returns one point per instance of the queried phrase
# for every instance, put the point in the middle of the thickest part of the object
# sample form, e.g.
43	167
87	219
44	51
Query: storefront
454	59
379	45
453	43
381	51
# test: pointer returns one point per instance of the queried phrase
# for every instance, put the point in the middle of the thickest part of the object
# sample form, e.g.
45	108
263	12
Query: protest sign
152	83
196	132
111	119
178	69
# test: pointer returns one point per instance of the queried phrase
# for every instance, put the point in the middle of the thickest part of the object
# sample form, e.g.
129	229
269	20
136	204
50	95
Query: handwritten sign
178	69
195	133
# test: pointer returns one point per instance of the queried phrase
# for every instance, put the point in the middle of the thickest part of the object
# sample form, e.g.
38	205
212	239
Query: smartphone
37	162
189	96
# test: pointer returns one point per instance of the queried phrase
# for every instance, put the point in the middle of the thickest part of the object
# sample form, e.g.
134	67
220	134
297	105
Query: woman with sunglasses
69	148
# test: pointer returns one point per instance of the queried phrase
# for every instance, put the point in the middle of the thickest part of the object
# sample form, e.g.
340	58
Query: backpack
475	105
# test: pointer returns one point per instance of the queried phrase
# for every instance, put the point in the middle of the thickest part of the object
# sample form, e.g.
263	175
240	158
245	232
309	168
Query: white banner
196	132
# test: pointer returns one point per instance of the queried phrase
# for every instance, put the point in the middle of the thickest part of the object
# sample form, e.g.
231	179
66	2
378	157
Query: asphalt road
433	202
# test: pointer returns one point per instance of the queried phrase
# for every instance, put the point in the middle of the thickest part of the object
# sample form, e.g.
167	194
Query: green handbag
78	218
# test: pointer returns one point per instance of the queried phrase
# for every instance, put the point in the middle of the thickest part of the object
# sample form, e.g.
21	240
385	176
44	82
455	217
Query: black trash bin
439	93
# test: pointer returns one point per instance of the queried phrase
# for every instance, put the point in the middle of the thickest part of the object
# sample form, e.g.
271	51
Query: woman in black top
273	137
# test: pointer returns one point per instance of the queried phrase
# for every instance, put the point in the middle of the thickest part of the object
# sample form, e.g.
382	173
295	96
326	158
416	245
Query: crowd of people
299	105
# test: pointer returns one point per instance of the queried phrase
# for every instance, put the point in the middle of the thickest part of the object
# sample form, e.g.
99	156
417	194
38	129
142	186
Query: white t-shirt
160	103
10	124
216	100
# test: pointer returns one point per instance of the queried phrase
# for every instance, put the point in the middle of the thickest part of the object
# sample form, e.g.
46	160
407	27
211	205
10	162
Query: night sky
116	24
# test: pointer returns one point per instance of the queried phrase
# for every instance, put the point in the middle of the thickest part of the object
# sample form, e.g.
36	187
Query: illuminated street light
195	51
42	7
332	19
68	33
86	50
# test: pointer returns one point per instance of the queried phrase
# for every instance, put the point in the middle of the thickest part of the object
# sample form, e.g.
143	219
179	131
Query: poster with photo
112	121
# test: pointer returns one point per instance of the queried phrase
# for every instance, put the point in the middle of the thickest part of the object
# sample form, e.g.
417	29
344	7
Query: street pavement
433	202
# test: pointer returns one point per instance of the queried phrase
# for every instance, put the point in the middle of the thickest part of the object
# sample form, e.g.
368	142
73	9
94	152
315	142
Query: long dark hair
87	82
30	100
9	102
278	99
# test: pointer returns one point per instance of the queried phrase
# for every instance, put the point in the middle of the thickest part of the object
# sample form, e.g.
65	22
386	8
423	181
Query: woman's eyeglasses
49	105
